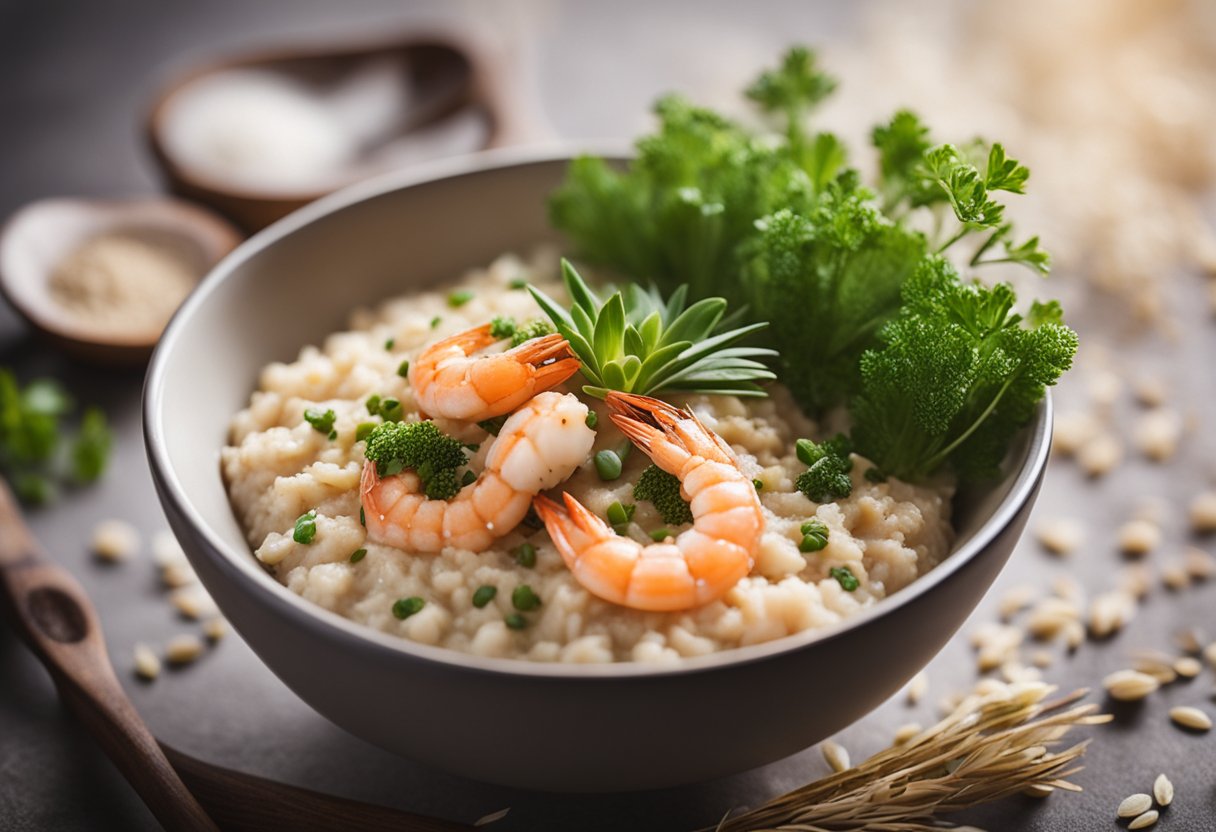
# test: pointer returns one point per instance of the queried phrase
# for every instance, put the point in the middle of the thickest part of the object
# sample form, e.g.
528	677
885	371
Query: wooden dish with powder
102	278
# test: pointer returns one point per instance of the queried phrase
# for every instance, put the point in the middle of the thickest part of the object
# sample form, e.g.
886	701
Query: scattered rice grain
183	649
166	551
1144	821
215	628
1110	612
493	816
1158	432
1015	600
906	732
837	755
917	687
1175	576
1199	564
1050	616
1189	717
1061	535
1163	790
147	665
115	540
193	602
1151	391
1100	455
1202	512
1139	537
1135	804
1129	685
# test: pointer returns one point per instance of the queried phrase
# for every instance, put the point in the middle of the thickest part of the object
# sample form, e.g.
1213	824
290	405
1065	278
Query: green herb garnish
659	535
421	447
322	421
493	426
358	555
662	490
405	607
502	327
363	430
637	343
37	450
515	621
459	298
306	527
607	464
532	329
592	419
848	581
403	369
524	599
955	375
517	283
389	343
620	515
815	535
525	555
484	595
436	321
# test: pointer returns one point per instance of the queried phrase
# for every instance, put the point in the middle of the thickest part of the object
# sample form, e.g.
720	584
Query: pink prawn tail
563	523
551	356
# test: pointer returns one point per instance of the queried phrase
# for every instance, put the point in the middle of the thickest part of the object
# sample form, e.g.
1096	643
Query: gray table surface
74	81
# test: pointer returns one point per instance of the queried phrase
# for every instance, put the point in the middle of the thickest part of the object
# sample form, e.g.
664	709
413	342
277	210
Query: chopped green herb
403	369
388	344
436	321
493	426
373	405
322	421
758	484
405	607
530	330
524	599
362	517
484	595
358	555
619	516
848	581
814	535
468	479
662	490
525	555
391	410
592	419
422	447
607	465
515	621
91	450
659	535
306	527
363	430
502	327
518	283
459	298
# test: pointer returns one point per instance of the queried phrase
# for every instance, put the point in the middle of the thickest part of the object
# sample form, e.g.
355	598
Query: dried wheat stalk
994	744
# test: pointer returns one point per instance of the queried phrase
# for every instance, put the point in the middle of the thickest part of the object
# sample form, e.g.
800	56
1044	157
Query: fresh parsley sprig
635	342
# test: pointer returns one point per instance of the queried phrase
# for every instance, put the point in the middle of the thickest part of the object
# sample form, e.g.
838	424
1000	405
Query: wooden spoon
52	614
39	236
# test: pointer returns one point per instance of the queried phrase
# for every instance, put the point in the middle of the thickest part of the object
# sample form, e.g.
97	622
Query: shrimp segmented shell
449	380
702	563
539	446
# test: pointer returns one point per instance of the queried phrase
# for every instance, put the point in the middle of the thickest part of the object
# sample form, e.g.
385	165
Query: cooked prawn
702	563
450	381
540	445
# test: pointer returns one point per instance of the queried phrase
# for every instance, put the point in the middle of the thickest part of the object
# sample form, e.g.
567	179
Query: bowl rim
243	566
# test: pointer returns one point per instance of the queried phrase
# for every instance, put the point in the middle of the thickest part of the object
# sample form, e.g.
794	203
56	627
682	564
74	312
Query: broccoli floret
422	447
827	477
502	327
530	330
662	490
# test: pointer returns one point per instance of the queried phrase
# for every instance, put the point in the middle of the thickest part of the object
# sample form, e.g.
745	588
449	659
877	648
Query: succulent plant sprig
636	342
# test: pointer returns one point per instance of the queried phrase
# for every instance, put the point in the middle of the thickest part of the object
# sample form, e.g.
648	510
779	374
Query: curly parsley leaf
957	372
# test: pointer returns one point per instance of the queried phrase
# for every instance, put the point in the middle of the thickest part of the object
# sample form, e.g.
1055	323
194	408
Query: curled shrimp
700	565
540	445
450	381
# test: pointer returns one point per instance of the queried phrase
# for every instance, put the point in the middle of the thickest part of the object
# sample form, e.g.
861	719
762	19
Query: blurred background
1111	103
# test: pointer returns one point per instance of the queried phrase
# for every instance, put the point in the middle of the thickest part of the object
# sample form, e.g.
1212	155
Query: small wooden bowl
39	236
449	72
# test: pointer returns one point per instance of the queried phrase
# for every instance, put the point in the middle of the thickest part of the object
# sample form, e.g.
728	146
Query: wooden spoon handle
54	617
